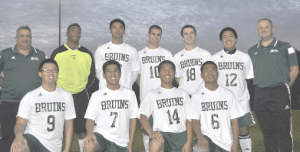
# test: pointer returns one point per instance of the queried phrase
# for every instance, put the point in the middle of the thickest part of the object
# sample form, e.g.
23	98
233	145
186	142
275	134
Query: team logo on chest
34	58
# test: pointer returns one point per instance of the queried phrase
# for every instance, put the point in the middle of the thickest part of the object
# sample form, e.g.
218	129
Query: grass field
256	136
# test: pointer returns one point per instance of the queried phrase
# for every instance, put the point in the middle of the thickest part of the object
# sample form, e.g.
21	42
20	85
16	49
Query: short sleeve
134	108
146	107
70	110
91	111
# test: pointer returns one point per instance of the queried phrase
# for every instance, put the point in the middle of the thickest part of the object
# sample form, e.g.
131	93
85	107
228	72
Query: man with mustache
19	65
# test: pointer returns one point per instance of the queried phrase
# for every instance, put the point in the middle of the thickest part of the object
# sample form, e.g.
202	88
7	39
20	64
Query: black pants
8	115
81	101
273	112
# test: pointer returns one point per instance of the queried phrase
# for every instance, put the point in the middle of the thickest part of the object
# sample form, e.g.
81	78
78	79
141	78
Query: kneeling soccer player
168	107
44	112
114	110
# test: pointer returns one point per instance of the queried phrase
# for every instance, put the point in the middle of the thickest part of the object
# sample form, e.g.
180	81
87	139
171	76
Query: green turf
256	136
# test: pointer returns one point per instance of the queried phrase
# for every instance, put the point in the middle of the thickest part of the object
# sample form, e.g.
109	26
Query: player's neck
49	87
71	44
117	41
266	41
152	47
212	86
167	85
113	87
189	47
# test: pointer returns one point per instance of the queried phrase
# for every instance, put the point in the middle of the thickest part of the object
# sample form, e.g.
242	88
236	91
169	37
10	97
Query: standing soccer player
120	51
275	71
215	109
77	74
149	58
234	68
46	113
189	61
168	106
114	110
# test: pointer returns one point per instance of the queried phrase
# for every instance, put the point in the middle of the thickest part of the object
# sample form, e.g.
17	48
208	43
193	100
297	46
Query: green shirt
76	68
271	64
20	72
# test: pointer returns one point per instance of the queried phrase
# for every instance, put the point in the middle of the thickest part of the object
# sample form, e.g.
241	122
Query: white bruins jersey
234	69
188	68
215	109
125	54
46	113
168	108
149	61
112	110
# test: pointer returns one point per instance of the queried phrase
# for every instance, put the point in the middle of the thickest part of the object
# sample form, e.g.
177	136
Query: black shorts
81	101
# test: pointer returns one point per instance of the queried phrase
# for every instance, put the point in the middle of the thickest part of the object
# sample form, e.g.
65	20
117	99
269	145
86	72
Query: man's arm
177	79
235	131
19	143
132	128
293	74
68	134
146	125
189	132
138	80
202	141
90	138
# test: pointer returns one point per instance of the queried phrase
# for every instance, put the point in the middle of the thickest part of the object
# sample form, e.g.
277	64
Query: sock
245	143
146	142
80	144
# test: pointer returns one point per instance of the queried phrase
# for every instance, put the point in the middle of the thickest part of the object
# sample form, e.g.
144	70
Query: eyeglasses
50	70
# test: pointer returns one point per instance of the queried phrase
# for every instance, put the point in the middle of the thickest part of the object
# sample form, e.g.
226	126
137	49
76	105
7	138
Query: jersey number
190	74
233	77
51	121
154	72
115	118
175	117
215	123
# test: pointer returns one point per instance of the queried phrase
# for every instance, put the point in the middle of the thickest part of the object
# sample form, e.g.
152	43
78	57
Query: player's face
265	29
228	40
210	74
189	36
117	30
74	34
154	36
112	75
166	74
23	39
49	77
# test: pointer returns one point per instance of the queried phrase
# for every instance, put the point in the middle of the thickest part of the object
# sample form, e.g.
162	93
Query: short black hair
116	20
154	26
164	62
228	29
47	61
208	62
109	62
187	26
24	27
73	24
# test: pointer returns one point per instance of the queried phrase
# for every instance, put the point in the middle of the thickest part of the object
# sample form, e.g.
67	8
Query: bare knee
156	146
199	149
243	131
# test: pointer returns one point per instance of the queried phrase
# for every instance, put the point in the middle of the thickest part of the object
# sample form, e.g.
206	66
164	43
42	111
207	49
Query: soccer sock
245	142
146	142
80	144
